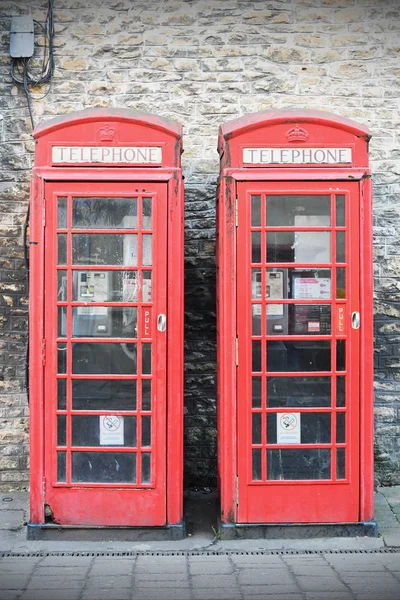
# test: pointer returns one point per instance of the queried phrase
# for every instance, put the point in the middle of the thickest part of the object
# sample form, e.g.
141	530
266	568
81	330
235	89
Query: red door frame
326	500
84	126
86	503
253	130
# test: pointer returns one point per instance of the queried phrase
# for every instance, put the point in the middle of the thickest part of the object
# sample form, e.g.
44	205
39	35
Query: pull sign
146	322
340	319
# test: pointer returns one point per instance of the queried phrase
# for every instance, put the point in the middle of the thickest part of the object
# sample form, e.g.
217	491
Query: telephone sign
294	323
106	407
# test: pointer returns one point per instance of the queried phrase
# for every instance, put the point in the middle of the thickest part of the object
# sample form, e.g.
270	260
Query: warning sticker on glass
288	428
111	430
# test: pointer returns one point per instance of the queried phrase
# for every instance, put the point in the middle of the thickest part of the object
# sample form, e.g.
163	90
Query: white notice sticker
288	428
111	430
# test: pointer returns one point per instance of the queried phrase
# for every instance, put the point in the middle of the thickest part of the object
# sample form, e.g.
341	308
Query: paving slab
392	493
14	501
12	520
101	594
391	537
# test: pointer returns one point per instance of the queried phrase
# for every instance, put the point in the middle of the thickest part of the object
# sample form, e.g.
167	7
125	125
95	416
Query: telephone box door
298	258
105	366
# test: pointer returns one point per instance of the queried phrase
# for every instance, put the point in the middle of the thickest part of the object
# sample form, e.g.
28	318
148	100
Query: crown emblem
107	133
297	134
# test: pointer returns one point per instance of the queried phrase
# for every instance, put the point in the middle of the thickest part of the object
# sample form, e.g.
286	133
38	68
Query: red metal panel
366	356
175	353
226	341
36	336
272	128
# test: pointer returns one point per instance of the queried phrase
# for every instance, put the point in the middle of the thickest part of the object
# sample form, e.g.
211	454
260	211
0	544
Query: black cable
28	97
20	70
21	74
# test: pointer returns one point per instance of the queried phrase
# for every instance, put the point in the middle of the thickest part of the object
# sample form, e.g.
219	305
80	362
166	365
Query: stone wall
202	62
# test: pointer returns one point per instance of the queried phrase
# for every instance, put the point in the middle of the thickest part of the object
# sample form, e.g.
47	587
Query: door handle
161	322
355	320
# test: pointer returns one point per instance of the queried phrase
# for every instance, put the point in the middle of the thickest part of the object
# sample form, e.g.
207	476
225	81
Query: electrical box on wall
21	37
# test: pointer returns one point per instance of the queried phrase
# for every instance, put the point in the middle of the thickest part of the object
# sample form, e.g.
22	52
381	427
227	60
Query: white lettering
131	155
298	156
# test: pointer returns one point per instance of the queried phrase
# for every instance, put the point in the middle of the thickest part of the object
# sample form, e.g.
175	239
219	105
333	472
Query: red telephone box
106	326
295	363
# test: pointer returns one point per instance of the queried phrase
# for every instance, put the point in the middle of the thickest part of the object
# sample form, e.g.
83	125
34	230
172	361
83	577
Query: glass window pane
101	249
104	358
310	285
294	283
62	213
341	463
302	392
86	431
340	391
104	467
340	247
147	295
256	460
62	394
290	464
299	356
256	392
103	394
62	467
256	247
340	212
146	394
289	211
146	359
62	321
147	258
299	247
256	345
104	213
146	431
309	319
256	319
256	211
340	428
315	427
62	286
340	283
256	292
62	248
104	286
102	321
61	358
91	286
256	428
146	467
61	430
146	221
341	355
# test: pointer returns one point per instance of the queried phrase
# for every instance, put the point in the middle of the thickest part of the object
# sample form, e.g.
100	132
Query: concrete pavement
201	567
187	576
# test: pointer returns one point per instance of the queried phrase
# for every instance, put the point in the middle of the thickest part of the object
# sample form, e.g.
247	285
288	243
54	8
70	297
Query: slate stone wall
202	62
